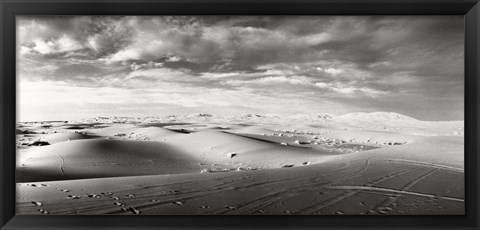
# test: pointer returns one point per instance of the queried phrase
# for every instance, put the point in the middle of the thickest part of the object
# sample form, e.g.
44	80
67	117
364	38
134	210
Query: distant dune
377	116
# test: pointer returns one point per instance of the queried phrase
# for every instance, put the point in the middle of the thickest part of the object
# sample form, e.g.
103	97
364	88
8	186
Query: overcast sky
76	67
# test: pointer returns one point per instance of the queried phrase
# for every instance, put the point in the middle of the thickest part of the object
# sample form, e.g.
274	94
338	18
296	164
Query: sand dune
62	137
310	165
137	132
180	153
375	182
215	146
102	158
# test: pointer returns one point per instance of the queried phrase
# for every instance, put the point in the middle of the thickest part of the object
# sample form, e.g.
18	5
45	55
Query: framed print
262	114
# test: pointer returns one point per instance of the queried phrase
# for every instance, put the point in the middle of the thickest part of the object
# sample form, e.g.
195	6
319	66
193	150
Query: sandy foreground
360	163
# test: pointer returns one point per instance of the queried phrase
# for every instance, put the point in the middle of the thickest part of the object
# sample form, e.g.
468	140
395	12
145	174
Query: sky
73	67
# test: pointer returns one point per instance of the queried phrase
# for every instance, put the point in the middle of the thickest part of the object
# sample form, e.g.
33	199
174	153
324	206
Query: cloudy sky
78	67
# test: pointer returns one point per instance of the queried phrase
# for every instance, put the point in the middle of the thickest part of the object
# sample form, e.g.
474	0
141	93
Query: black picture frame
10	8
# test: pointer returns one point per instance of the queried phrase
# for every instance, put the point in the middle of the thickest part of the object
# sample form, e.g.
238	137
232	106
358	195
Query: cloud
237	42
331	71
344	60
349	90
269	81
89	37
152	76
61	45
173	59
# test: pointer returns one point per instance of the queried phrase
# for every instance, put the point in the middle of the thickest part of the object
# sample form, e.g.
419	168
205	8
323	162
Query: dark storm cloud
377	60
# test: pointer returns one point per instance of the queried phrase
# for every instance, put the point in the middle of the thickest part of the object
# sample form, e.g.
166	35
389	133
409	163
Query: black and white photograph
240	115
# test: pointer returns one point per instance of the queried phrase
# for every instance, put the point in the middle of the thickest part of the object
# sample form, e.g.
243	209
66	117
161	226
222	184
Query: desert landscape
240	115
357	163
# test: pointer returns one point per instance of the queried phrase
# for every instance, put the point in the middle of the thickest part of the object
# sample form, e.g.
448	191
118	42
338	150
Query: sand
355	164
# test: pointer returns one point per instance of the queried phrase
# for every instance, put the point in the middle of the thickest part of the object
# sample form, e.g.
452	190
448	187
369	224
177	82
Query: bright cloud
351	90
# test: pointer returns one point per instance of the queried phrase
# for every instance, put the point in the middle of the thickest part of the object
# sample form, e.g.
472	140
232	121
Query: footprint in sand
65	190
93	195
231	207
115	198
73	197
37	185
205	206
37	203
119	204
130	195
339	213
43	211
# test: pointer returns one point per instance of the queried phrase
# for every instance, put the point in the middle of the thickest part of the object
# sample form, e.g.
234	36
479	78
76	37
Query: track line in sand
394	191
269	199
324	204
183	197
253	205
391	200
63	164
188	196
143	201
439	166
236	184
223	187
243	185
260	202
